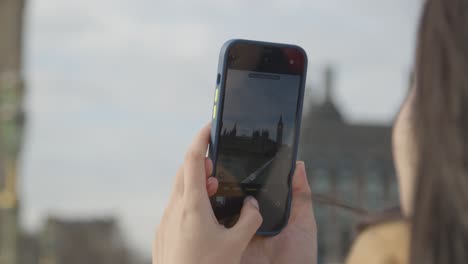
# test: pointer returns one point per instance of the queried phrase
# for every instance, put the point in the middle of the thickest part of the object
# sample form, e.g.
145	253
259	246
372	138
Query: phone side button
214	111
216	95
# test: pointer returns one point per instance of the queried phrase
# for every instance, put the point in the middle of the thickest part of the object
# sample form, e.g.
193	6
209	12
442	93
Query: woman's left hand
189	231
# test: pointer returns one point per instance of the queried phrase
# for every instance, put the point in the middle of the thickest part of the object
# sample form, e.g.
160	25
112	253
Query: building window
375	184
346	187
394	196
346	182
320	175
374	190
321	181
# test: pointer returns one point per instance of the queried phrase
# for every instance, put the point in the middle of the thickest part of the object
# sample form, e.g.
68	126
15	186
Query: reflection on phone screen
256	144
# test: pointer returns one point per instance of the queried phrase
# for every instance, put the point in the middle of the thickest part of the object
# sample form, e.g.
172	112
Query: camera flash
291	62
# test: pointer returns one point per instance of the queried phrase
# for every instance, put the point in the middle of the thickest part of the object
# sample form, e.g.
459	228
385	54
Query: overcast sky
118	88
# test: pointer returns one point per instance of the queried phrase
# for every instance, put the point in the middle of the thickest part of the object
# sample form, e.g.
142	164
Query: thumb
302	196
249	221
300	183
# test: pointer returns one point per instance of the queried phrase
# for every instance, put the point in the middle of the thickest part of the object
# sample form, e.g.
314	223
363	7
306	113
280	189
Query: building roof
325	130
327	111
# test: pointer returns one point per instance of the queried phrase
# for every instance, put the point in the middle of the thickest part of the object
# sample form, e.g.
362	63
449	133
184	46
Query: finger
211	182
249	221
302	196
208	168
194	166
212	186
300	184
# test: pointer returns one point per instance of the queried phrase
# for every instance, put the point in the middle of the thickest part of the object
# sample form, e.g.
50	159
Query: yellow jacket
385	243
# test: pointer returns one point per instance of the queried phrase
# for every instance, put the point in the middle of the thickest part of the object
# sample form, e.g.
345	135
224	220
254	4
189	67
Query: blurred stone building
351	163
11	124
97	241
75	242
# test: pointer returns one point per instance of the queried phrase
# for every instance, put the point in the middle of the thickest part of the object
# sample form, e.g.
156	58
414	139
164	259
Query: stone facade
350	163
82	241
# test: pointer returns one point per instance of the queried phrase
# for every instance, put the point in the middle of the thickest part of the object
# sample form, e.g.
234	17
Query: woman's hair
440	216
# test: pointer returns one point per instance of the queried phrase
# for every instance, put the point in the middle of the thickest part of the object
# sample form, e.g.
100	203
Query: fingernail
211	180
300	164
252	201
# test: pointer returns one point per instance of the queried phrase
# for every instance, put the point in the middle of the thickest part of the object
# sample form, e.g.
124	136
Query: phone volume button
216	95
215	108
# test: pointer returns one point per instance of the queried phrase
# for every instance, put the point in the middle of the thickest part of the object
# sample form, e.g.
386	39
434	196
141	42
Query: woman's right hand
297	242
189	231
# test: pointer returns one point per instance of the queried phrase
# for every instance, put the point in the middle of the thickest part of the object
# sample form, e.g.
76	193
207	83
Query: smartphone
255	129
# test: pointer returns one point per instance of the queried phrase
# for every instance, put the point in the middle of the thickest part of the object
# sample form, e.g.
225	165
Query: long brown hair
440	217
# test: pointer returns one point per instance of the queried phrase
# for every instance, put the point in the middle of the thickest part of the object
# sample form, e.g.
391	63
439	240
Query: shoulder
383	243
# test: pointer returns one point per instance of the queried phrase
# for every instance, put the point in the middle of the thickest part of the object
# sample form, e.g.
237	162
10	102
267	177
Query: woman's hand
189	231
297	242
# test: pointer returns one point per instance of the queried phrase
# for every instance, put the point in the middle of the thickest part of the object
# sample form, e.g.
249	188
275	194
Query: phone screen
257	136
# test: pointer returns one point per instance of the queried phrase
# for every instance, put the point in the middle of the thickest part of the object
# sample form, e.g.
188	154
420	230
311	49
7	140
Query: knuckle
193	155
187	214
258	218
253	215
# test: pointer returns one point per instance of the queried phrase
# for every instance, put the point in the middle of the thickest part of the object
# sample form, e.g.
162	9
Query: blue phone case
218	111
